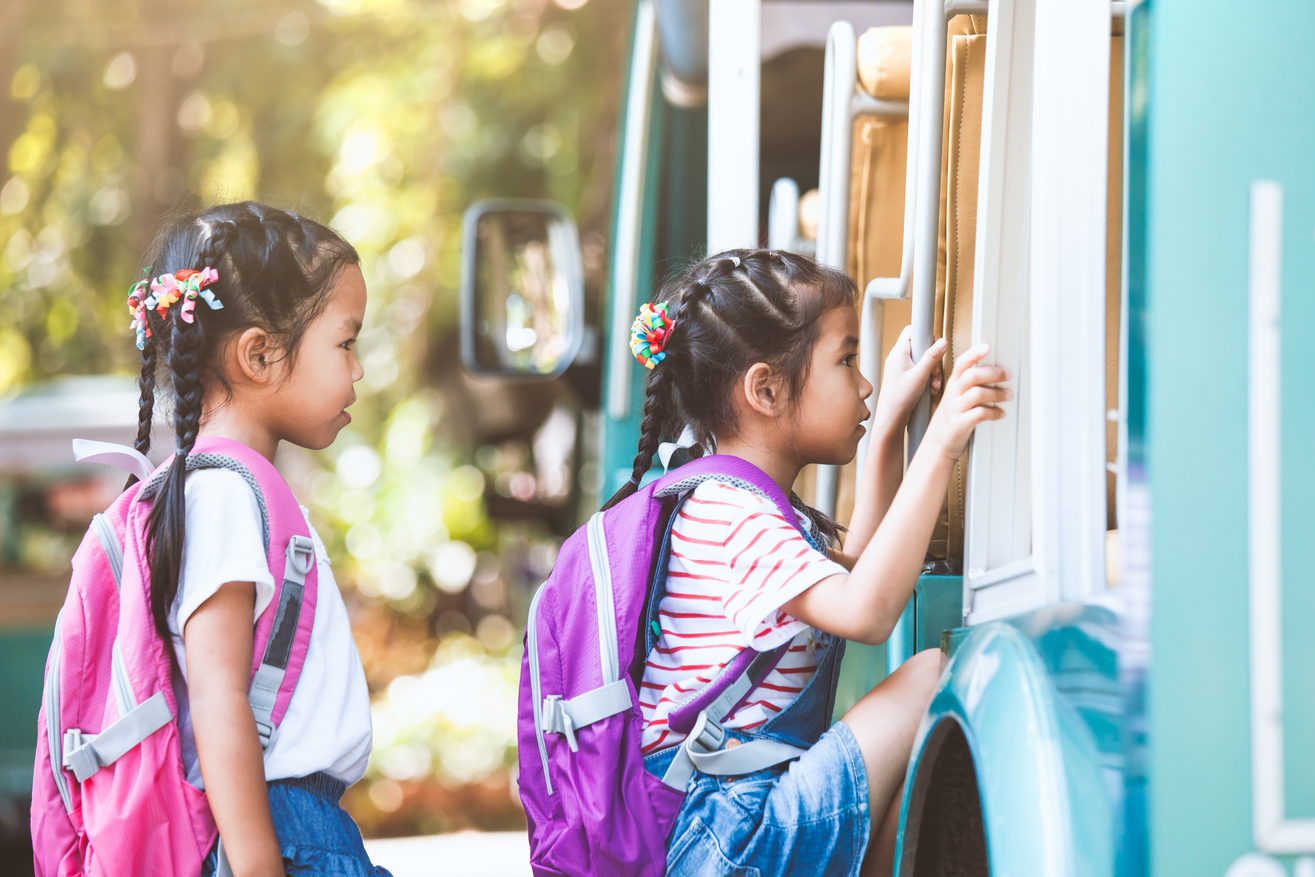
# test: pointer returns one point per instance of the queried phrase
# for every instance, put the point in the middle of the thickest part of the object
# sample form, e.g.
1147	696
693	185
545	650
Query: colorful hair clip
160	293
650	332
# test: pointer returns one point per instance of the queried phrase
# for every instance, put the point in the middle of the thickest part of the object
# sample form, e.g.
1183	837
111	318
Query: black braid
184	364
659	396
146	401
167	522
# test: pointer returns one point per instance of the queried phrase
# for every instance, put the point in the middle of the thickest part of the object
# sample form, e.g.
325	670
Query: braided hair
276	270
728	312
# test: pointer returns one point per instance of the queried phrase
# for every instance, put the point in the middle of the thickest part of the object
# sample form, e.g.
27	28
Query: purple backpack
592	806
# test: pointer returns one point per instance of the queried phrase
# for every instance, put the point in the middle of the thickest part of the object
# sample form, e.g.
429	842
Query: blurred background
444	502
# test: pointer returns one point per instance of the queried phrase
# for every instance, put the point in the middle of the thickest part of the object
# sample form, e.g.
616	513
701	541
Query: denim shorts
810	818
316	836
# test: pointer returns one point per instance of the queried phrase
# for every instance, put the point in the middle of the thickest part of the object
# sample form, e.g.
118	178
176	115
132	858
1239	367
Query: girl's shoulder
221	498
726	492
736	501
733	498
217	483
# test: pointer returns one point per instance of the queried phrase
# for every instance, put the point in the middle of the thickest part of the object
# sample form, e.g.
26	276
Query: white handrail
783	214
734	98
842	101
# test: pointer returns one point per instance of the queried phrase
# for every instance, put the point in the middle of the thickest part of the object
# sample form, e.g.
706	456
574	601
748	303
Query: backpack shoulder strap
282	636
733	470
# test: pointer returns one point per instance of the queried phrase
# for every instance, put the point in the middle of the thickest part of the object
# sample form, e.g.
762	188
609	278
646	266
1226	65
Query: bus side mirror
522	289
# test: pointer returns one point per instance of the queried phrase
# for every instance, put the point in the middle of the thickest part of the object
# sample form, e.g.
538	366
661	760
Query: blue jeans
316	836
808	818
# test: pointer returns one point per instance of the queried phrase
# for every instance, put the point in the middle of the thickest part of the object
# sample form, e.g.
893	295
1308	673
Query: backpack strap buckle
703	751
707	735
557	719
562	716
85	754
79	756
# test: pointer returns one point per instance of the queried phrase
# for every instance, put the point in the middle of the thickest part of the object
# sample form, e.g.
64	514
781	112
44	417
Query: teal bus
1118	197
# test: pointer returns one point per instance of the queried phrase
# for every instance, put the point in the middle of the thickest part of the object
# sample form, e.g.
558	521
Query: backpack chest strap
706	750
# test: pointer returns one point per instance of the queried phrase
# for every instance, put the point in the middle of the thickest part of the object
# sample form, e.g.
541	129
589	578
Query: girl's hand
903	381
969	399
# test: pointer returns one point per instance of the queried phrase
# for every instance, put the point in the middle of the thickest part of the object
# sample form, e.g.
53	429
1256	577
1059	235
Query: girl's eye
849	360
348	344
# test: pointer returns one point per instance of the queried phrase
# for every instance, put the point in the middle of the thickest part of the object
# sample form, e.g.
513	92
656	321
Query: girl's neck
227	420
780	469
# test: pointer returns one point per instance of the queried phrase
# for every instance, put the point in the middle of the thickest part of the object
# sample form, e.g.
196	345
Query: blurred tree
385	118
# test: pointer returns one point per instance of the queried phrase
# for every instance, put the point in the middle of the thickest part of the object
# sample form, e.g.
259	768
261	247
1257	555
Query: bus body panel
1231	101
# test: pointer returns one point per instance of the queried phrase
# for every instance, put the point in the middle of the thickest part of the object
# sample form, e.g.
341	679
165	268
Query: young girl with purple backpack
217	671
730	603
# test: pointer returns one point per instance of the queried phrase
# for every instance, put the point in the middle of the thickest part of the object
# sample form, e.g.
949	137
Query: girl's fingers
931	358
991	395
970	358
987	374
903	349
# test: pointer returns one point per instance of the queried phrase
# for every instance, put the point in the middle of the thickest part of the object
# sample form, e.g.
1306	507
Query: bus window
1045	290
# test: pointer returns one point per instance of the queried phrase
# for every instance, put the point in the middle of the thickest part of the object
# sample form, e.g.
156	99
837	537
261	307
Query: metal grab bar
842	101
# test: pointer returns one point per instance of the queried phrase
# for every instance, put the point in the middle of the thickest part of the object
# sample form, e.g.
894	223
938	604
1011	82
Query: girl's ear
762	390
253	355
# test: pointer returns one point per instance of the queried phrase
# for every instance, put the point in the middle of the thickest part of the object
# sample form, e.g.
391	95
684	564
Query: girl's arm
218	643
902	384
865	604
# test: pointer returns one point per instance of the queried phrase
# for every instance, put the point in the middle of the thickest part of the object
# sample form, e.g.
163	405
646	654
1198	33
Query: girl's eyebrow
850	341
352	324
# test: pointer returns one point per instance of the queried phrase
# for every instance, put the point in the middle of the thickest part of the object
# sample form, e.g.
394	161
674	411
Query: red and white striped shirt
734	562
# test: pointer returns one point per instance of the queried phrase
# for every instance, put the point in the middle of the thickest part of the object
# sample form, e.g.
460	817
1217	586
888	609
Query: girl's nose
865	388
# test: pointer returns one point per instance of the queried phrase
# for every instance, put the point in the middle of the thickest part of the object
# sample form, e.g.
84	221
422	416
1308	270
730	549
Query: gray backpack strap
274	665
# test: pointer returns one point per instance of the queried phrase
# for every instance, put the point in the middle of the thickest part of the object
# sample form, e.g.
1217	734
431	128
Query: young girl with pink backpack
682	659
205	706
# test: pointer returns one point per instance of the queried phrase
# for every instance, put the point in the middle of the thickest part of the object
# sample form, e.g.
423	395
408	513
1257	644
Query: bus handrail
842	102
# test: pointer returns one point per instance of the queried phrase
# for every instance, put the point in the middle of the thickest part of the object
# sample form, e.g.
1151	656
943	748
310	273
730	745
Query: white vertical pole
734	59
840	72
931	94
783	214
1264	511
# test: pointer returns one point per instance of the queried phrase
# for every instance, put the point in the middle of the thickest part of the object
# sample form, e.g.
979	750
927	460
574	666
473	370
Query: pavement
461	854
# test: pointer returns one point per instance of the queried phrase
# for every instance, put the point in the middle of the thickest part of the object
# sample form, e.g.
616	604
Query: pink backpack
109	793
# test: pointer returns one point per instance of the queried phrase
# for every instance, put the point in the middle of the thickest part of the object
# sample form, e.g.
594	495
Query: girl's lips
348	416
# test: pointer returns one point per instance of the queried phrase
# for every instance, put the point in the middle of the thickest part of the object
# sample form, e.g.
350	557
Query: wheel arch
998	727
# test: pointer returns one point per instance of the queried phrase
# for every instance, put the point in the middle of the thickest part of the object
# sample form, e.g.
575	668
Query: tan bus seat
965	77
884	61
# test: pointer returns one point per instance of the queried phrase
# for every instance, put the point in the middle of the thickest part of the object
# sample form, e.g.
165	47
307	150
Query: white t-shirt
734	563
327	725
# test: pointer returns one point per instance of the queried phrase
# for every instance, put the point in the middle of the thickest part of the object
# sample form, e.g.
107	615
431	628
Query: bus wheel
943	831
